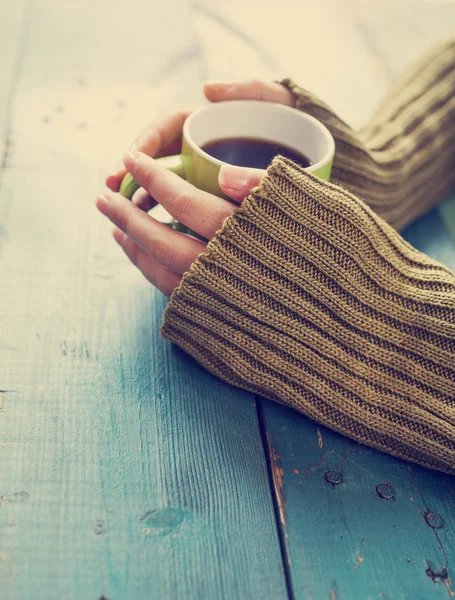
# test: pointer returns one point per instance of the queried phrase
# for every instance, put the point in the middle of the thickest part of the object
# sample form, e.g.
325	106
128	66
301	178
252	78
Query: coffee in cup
245	131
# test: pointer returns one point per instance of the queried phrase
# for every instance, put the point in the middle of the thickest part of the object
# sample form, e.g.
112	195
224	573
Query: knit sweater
308	297
403	162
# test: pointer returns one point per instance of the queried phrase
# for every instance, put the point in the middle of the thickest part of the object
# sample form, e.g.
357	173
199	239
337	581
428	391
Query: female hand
164	137
161	254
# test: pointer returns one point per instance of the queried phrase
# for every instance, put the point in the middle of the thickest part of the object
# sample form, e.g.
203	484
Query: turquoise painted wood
356	523
447	212
126	471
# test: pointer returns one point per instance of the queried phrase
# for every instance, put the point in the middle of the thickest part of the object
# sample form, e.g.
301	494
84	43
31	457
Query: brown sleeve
403	162
307	297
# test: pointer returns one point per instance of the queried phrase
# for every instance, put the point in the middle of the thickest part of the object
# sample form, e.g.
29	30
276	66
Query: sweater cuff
307	102
306	297
402	162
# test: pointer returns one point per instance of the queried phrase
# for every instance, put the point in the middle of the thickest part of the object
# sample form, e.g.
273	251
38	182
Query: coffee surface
251	152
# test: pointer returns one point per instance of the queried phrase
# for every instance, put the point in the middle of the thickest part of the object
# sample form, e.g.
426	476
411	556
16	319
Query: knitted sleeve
403	162
307	297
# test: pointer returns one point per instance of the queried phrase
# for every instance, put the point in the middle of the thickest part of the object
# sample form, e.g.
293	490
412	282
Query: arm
403	162
307	297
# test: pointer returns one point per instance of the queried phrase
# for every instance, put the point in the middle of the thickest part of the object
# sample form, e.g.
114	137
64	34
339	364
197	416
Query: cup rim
276	106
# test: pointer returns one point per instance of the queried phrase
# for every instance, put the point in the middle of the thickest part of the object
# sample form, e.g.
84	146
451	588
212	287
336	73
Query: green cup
244	118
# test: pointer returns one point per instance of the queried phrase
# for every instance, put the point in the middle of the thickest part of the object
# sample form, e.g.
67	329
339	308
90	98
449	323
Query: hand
164	137
161	254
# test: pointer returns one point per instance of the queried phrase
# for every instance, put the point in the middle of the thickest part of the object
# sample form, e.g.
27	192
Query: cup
244	118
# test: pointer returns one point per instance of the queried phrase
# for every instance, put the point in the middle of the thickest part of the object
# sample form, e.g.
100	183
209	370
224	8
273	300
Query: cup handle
171	163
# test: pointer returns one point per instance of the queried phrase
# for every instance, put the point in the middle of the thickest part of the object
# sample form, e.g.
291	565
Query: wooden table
126	471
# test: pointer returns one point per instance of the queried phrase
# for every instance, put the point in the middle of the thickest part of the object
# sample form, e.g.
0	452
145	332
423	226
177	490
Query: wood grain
12	40
126	471
345	539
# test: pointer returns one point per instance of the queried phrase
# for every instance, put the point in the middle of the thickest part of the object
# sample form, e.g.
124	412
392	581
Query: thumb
237	182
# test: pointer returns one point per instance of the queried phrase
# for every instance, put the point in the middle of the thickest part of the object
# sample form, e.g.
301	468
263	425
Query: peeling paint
434	575
341	459
14	498
278	481
359	561
435	531
78	351
320	440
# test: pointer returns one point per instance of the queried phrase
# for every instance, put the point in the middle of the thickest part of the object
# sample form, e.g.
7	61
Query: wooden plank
127	471
351	538
343	540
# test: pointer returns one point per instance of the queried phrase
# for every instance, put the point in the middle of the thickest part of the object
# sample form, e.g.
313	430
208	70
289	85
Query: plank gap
278	504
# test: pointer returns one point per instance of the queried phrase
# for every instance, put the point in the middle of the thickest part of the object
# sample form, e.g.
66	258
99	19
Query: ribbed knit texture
307	297
403	162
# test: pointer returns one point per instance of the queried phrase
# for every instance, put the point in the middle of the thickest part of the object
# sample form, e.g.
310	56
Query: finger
217	91
114	180
161	277
160	133
143	200
160	138
202	212
141	197
174	147
237	182
173	249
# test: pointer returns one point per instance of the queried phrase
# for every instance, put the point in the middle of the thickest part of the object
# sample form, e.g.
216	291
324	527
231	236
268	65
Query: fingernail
113	179
103	204
118	236
117	170
132	155
232	178
222	86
